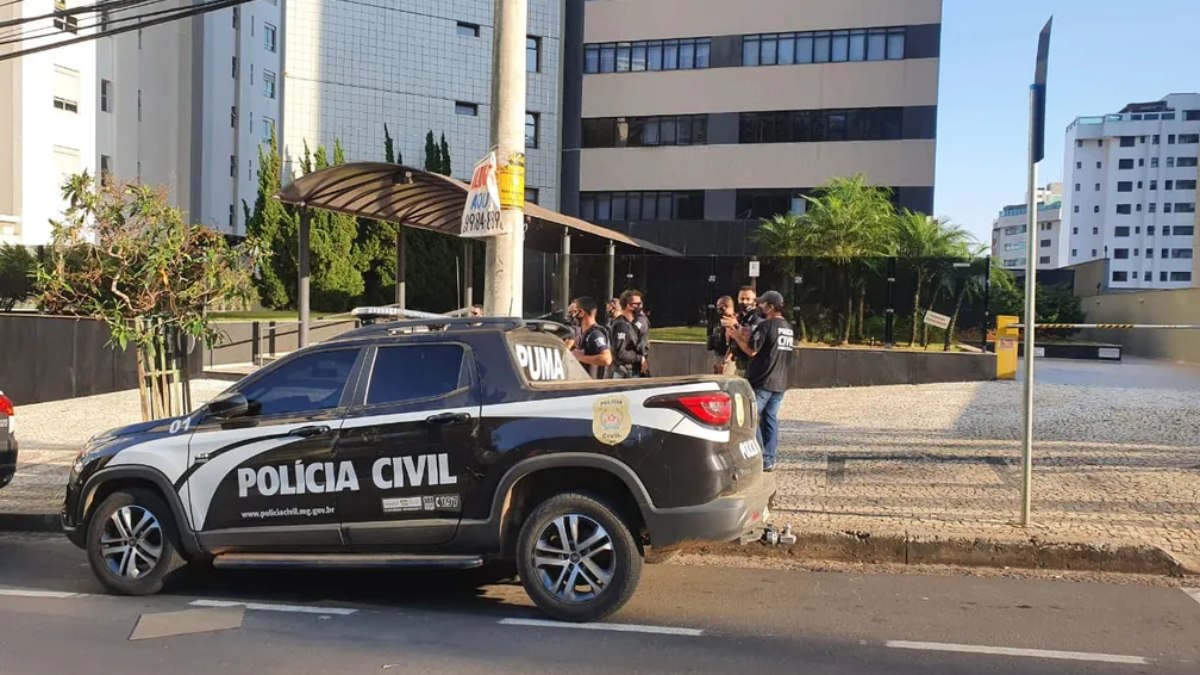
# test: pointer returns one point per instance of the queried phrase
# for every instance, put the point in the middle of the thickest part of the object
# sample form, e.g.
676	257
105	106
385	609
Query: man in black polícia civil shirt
592	351
770	346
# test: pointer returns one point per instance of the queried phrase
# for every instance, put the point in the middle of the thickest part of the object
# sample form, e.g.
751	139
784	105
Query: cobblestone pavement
1116	461
1112	464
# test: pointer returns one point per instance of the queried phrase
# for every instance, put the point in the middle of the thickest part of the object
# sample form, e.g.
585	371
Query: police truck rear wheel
131	543
577	558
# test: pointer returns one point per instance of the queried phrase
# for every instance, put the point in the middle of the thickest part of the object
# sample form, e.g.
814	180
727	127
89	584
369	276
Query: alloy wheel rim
131	542
574	558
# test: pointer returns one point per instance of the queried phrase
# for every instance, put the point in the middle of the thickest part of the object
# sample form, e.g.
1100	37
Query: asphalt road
54	618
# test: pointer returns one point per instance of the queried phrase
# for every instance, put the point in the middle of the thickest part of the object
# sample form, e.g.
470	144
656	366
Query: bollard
1006	347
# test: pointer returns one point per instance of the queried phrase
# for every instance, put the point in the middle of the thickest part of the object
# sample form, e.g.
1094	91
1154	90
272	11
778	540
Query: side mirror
229	406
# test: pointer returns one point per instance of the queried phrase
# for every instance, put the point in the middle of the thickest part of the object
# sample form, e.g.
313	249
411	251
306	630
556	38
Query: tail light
6	406
709	408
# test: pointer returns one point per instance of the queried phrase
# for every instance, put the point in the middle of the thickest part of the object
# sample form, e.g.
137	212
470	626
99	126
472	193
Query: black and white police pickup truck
400	446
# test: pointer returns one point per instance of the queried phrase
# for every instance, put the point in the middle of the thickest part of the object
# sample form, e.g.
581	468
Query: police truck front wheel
131	543
577	558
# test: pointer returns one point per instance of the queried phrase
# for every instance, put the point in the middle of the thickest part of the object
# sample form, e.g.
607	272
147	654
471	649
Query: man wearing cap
769	346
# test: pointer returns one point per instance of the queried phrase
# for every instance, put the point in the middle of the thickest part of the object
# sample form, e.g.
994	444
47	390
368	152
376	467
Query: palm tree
972	286
848	220
926	241
781	237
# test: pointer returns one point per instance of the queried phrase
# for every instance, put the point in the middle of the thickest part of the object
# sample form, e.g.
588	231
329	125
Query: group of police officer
618	350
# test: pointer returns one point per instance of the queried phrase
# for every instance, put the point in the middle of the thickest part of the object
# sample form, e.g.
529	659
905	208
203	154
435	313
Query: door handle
203	457
310	431
444	419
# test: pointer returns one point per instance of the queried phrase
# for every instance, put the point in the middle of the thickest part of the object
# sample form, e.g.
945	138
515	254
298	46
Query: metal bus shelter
413	198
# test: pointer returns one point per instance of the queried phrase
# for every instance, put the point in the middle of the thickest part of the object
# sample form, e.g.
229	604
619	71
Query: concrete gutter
909	549
913	549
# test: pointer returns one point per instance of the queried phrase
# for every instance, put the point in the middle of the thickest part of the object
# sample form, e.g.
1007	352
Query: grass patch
680	334
700	334
259	315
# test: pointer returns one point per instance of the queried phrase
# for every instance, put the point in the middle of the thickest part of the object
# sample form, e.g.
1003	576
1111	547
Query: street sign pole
1037	143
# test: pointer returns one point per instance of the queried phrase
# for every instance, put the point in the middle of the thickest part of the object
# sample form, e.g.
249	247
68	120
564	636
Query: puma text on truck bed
410	444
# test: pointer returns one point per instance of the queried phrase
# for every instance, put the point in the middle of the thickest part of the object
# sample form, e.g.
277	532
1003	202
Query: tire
126	569
547	582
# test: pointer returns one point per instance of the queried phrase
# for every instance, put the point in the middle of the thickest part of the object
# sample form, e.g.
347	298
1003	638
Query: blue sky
1103	54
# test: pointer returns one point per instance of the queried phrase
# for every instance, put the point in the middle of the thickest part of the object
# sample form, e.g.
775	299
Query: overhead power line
105	6
169	15
16	36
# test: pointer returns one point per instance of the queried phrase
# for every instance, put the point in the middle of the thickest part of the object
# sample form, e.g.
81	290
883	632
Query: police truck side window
411	373
306	384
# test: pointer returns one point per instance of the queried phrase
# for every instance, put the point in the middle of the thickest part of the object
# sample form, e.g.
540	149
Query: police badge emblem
610	419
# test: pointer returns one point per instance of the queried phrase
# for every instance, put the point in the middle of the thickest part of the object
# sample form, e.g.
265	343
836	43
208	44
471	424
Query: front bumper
8	460
720	520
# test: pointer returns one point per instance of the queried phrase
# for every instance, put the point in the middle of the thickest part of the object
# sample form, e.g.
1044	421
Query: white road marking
273	607
616	627
37	593
1010	651
1193	592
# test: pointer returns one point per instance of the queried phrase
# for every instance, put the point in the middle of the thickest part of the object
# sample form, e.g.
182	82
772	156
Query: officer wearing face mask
572	324
632	300
592	349
747	319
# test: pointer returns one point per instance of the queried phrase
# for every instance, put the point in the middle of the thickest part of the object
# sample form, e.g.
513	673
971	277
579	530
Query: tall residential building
1010	227
1130	195
178	105
349	68
686	127
47	120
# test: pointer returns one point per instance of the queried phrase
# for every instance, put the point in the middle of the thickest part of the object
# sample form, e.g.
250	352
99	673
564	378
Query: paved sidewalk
1117	460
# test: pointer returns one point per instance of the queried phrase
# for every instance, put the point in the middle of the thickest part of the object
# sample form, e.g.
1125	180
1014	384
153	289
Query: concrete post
468	275
565	267
401	268
303	291
506	253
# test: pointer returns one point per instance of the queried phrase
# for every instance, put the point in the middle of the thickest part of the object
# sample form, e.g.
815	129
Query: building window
533	54
269	37
532	122
1076	208
1171	139
1120	277
1100	143
1167	230
1181	276
1191	115
1074	230
1079	144
1127	141
139	103
466	109
1095	230
1141	162
531	195
1169	185
619	132
876	44
1044	260
1093	253
268	126
465	29
1154	140
1153	162
820	126
1124	209
234	70
1185	207
237	15
1185	161
106	94
1125	186
1150	228
233	166
1077	187
66	161
1099	164
268	84
1124	164
1078	165
1181	253
1170	162
1184	230
105	170
64	20
66	89
1154	185
1149	253
626	57
233	117
232	217
1121	253
1189	139
1097	187
1185	184
1045	243
1122	231
628	206
1074	253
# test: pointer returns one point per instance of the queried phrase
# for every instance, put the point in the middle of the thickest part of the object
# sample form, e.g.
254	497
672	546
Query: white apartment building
180	105
47	121
1130	192
1010	227
414	65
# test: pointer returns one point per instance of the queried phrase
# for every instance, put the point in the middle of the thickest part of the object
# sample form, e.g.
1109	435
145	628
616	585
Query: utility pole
1037	150
505	261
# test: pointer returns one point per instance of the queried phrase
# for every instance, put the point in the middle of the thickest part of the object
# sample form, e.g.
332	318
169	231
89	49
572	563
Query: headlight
77	465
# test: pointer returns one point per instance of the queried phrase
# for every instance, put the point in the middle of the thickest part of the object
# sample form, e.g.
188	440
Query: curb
863	547
30	522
